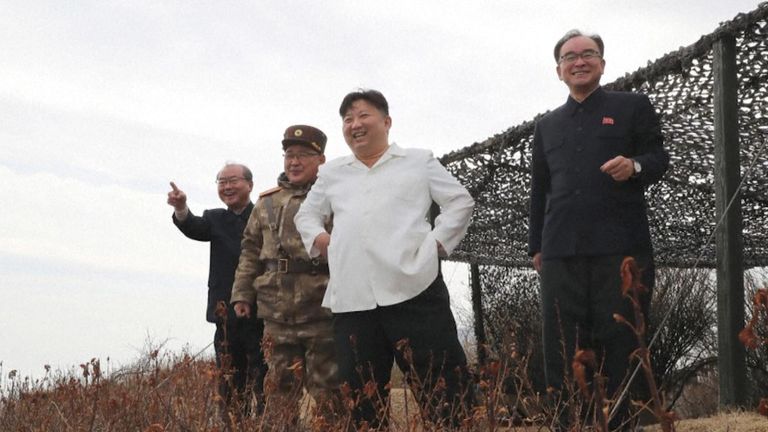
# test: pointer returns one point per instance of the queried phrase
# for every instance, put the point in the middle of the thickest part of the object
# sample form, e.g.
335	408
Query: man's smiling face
581	76
366	129
234	189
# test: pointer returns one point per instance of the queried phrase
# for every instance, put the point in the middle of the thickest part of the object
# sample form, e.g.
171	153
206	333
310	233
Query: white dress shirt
383	250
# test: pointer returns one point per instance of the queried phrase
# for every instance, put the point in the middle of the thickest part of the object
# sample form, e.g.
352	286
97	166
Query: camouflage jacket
287	298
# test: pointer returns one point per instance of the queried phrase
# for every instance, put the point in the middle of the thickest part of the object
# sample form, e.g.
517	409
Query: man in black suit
592	160
237	341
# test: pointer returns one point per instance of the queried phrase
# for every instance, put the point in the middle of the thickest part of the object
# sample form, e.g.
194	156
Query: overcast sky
102	103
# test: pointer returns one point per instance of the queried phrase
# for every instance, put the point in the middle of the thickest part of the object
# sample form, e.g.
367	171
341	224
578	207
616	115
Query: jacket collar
246	211
282	180
589	104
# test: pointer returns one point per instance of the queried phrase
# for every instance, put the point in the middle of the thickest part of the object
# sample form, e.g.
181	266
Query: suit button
577	192
579	148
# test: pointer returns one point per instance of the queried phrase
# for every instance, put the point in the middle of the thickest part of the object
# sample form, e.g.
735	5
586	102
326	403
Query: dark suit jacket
577	210
224	229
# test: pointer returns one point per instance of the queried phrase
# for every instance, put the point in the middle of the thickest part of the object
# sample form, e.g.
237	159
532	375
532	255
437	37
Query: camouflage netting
682	205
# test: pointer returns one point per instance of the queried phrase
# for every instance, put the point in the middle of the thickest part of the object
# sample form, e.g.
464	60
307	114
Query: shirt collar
394	150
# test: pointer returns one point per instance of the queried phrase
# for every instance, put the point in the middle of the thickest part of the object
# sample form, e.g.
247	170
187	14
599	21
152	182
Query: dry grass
166	392
737	421
176	392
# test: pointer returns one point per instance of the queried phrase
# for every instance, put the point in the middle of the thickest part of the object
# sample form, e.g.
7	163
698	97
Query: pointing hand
177	198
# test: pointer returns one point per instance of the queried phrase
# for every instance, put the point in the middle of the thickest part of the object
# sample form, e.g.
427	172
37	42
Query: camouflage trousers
300	356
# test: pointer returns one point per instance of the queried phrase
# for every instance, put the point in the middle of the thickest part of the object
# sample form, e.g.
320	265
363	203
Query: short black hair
576	33
373	97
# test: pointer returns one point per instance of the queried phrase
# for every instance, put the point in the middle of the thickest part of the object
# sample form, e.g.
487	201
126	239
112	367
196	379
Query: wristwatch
638	168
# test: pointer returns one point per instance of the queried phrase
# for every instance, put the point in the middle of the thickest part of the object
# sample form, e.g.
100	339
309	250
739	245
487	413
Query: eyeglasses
301	156
585	55
229	180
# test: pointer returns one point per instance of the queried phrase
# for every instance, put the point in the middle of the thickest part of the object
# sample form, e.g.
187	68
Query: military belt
287	265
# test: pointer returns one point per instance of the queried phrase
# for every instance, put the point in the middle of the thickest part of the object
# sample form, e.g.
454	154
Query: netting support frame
728	238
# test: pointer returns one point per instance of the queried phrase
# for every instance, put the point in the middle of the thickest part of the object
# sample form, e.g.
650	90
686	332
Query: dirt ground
726	422
403	403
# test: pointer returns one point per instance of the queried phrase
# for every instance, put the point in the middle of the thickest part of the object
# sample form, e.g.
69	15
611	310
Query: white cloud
105	227
69	317
95	268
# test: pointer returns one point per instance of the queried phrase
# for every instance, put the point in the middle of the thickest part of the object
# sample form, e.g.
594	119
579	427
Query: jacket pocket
553	144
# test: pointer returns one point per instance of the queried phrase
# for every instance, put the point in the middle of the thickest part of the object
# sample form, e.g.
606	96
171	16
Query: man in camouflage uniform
276	271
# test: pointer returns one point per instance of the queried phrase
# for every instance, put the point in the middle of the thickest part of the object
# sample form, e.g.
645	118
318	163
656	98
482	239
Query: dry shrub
512	316
685	349
699	396
682	355
757	356
164	392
